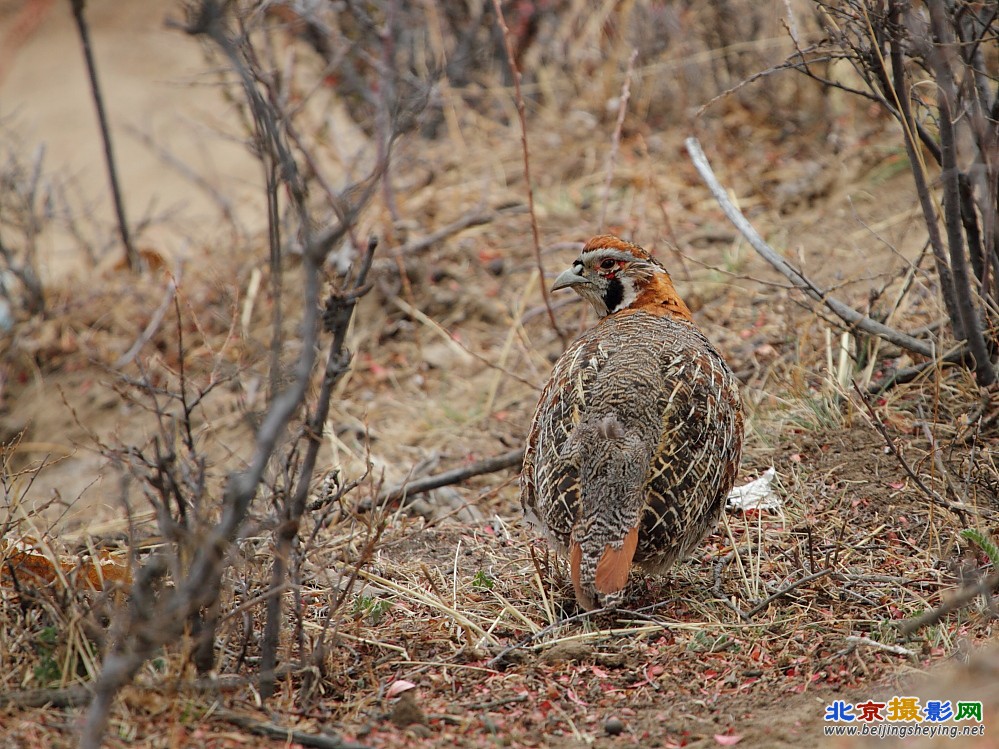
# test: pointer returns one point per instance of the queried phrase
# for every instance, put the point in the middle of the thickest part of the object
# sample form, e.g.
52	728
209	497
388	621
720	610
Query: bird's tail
599	575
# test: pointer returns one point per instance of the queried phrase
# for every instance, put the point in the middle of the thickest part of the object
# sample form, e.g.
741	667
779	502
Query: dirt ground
449	635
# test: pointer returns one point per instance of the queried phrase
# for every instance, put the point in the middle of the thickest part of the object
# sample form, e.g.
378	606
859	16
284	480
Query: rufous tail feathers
612	571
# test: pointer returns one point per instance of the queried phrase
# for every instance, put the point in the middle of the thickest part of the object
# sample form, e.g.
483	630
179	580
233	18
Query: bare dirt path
156	86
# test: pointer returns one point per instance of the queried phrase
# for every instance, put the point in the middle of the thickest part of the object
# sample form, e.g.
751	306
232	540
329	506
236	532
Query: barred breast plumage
637	438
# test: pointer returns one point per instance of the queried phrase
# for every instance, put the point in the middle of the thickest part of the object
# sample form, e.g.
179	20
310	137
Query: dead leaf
728	740
397	687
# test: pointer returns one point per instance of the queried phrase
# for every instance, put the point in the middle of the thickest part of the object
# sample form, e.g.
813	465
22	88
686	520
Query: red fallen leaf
399	686
571	694
725	740
598	672
897	485
487	255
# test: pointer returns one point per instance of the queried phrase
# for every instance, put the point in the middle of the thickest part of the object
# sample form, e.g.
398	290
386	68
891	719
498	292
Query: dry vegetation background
203	537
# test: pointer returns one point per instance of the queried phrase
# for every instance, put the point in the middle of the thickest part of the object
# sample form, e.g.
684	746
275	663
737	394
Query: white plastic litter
756	495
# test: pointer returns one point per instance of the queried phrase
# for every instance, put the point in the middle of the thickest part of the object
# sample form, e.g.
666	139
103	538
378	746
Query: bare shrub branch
522	116
158	614
801	282
23	194
132	258
893	47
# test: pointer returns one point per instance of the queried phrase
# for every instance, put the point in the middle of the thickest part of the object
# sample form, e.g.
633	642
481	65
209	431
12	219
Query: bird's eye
608	263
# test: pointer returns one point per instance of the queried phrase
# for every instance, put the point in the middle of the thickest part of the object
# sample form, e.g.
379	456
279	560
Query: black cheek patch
614	294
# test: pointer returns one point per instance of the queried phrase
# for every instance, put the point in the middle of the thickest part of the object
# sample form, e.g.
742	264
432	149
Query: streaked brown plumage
637	437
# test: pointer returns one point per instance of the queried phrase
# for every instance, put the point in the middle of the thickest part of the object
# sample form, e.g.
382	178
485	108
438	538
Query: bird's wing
613	451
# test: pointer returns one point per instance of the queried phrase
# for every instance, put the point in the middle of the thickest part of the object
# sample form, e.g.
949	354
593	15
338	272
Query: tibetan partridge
637	437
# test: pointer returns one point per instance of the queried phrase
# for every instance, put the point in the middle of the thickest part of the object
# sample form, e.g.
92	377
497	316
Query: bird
637	436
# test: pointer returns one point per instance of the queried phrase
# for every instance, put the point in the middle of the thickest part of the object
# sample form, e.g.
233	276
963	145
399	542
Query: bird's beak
568	278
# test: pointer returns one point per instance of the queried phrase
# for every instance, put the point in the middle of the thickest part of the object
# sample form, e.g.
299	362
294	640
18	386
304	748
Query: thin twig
959	600
958	355
152	327
338	314
785	590
854	640
716	588
622	110
290	735
132	258
410	489
947	103
522	115
800	281
897	88
498	659
475	217
954	507
493	704
176	163
935	452
72	696
459	346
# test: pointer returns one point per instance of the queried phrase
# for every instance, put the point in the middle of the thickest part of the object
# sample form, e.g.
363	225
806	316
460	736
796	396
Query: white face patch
630	294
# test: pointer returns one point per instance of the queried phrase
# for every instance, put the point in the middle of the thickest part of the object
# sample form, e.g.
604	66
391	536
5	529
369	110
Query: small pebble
613	727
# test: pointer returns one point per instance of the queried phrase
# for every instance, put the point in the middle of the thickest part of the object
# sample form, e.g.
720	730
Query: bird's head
614	275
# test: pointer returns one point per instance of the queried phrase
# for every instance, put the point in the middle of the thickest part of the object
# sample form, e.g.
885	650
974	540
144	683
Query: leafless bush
23	207
934	68
687	52
183	587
